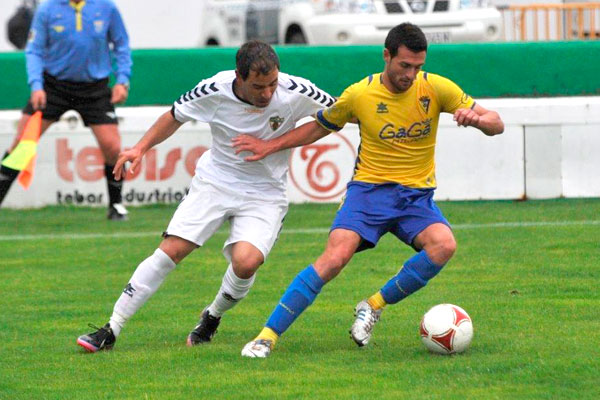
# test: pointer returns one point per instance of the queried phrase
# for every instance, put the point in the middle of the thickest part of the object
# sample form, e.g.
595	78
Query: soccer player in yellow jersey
392	189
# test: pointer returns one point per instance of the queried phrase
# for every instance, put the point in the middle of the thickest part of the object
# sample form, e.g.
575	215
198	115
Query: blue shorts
372	210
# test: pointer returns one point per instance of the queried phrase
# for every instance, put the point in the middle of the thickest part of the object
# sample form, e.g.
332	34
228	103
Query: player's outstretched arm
487	121
304	134
165	126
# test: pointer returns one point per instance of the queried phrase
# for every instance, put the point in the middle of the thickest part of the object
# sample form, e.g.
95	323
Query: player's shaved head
256	56
408	35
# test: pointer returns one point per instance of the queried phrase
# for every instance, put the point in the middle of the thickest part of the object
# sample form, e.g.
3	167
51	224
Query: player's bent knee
246	268
449	246
176	248
445	250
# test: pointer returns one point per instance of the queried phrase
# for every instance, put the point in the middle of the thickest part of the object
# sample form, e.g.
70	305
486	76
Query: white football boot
260	348
366	318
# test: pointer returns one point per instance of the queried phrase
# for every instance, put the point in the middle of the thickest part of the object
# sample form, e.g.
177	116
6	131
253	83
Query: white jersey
214	102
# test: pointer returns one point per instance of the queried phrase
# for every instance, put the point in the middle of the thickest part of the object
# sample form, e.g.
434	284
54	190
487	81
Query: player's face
258	89
402	69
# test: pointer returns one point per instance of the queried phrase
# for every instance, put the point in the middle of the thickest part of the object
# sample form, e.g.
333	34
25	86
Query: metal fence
536	22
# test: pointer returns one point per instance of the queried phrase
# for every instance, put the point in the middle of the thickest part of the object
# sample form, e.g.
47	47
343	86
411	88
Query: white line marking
118	235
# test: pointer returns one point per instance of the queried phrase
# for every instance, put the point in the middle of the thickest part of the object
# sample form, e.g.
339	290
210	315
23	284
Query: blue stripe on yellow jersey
398	130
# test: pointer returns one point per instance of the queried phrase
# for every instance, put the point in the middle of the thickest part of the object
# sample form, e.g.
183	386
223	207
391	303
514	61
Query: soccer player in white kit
255	99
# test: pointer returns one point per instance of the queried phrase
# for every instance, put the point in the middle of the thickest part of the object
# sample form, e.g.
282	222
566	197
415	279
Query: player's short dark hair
408	35
256	56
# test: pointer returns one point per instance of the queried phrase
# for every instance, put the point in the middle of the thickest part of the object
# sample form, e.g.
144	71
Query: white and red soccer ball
446	329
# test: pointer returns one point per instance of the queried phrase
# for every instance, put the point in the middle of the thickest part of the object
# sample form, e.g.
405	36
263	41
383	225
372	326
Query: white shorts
206	207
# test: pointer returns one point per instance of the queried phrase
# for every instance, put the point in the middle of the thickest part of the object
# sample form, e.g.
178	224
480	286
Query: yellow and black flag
22	158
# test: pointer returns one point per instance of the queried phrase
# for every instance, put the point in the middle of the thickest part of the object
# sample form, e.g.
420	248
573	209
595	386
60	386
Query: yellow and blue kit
398	130
72	42
393	184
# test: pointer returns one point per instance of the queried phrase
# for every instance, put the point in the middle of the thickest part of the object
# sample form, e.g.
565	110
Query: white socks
146	279
233	289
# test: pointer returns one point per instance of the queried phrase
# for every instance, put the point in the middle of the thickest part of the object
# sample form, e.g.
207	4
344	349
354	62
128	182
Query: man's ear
386	56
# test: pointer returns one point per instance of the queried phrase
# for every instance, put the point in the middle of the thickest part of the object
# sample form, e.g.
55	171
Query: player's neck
385	80
238	92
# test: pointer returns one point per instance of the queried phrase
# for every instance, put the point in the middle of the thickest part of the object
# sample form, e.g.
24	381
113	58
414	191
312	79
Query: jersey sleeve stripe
326	124
197	92
294	85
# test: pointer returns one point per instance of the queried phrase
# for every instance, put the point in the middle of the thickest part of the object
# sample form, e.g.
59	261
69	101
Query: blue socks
415	274
299	295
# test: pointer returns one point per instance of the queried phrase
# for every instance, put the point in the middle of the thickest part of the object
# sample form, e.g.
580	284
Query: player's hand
256	146
121	167
466	117
38	99
119	93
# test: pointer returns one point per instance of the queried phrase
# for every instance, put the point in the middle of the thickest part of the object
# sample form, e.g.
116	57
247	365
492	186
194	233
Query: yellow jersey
397	130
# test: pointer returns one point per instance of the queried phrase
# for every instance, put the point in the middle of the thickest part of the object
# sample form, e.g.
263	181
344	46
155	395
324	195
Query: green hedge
482	70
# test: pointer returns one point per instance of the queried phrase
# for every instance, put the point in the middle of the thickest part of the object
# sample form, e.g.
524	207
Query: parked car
345	22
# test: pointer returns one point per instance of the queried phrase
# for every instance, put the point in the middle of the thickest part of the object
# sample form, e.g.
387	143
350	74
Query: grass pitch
527	273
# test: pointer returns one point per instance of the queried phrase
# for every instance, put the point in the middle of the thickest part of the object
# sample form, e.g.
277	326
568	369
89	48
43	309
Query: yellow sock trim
376	301
269	334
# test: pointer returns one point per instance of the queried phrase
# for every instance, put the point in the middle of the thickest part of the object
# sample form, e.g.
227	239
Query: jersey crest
425	101
275	122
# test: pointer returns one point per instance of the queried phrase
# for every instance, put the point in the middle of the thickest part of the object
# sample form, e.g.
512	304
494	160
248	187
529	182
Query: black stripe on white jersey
314	93
198	92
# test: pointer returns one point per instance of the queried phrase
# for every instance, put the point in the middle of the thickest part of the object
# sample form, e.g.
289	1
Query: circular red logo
321	170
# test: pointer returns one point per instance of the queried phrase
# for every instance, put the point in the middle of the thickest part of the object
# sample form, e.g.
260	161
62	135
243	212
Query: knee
176	248
245	267
445	249
111	153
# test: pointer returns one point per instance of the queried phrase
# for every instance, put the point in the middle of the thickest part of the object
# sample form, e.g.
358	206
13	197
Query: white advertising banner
470	166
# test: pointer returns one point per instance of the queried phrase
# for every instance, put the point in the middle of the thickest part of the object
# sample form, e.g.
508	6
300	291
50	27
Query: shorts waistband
53	79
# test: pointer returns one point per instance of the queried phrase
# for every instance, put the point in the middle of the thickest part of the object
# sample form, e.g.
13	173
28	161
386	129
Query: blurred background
197	23
536	64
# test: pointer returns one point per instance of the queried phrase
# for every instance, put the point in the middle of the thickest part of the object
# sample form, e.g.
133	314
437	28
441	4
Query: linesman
69	55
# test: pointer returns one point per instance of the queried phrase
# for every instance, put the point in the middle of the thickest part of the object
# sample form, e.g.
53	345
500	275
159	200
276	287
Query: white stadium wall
550	148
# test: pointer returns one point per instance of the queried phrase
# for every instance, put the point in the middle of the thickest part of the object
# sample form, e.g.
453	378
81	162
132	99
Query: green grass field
528	273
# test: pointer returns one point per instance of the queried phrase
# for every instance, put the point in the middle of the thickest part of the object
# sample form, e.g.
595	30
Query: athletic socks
114	187
268	334
233	289
7	177
146	279
415	274
299	295
376	301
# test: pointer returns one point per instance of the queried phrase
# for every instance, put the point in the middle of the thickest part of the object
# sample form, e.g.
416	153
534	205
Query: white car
345	22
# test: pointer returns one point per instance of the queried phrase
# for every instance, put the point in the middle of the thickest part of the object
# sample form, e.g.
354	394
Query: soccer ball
446	329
